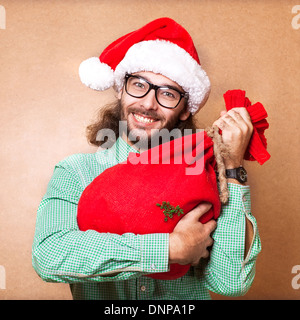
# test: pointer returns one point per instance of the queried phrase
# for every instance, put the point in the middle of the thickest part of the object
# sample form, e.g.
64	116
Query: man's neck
136	145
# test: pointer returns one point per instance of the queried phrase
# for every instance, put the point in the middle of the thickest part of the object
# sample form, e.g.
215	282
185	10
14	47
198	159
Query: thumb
198	211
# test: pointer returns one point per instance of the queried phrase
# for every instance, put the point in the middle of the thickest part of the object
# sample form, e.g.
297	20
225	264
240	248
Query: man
160	84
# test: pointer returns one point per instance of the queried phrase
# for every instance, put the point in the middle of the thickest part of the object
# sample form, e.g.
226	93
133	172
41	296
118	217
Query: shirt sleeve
63	253
228	272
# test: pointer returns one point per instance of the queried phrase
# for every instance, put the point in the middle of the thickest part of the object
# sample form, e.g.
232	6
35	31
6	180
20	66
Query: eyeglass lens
138	87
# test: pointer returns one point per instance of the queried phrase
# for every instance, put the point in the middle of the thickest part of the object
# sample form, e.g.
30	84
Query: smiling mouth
143	119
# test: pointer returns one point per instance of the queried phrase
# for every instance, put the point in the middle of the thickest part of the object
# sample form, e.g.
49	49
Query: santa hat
161	46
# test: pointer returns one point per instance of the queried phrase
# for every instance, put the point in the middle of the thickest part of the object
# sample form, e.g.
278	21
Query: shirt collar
121	149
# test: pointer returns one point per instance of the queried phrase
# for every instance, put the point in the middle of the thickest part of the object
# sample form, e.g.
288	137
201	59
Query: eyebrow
161	85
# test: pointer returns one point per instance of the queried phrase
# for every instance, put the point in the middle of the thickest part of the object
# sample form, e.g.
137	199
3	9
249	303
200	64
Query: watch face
243	175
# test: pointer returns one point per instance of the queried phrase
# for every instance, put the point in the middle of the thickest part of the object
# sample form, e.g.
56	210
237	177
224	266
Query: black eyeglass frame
155	88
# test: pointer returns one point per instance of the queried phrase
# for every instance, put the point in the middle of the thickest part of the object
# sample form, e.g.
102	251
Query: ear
120	94
184	114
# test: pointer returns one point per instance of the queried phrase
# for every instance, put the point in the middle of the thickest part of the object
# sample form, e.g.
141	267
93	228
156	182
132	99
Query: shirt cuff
155	252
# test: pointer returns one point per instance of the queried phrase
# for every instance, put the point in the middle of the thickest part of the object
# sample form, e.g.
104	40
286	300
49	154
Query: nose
149	101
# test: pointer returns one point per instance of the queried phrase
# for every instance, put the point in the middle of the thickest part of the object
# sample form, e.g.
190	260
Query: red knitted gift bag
151	191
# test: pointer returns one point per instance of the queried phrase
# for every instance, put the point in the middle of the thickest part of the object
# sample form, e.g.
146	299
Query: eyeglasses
166	96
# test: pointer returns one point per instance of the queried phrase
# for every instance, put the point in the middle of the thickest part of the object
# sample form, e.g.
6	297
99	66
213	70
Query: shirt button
143	288
153	266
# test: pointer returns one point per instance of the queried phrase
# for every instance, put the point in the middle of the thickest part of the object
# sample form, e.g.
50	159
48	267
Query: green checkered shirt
111	266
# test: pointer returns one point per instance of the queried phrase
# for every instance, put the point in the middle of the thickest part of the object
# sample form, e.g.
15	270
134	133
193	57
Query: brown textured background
247	45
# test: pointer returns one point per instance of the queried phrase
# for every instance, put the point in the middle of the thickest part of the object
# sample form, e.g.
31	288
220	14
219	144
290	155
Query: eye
169	94
139	84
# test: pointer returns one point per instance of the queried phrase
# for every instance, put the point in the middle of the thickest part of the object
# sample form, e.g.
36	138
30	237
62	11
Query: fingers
240	113
205	253
241	119
209	242
211	226
198	211
195	214
236	129
236	118
243	113
191	238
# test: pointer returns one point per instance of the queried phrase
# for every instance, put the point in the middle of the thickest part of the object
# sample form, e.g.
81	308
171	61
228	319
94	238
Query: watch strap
240	174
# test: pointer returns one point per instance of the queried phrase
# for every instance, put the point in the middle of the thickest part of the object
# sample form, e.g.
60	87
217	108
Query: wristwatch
240	174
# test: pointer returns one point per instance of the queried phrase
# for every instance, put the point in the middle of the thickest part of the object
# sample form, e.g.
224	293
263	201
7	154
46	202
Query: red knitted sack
151	191
139	197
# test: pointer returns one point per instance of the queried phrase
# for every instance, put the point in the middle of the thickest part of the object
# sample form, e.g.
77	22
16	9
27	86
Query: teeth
142	119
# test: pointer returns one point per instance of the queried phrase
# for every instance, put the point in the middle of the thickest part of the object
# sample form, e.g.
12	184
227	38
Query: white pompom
95	74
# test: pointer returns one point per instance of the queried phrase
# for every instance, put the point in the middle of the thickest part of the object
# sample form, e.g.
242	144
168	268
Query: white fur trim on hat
96	75
168	59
